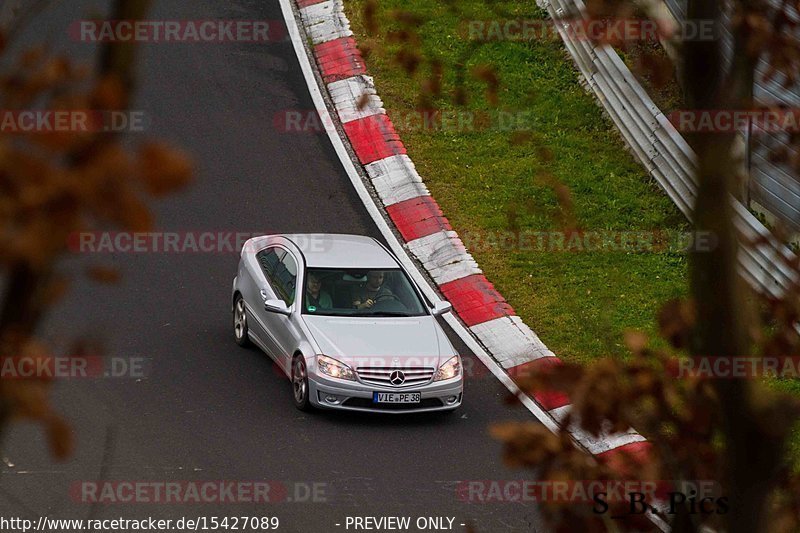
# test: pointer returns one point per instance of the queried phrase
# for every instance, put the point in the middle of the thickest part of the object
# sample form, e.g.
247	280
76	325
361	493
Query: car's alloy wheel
240	322
300	383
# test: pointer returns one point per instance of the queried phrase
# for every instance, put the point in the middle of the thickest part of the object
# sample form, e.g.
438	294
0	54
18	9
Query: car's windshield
348	292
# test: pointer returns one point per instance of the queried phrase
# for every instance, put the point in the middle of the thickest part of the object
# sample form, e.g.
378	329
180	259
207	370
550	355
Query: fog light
331	399
451	400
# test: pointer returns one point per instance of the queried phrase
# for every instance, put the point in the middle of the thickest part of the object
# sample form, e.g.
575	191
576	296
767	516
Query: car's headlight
449	370
335	369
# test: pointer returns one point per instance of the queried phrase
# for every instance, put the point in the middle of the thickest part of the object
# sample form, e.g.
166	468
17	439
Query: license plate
396	397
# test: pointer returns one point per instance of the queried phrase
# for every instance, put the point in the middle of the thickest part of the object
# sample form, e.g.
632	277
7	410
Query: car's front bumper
357	396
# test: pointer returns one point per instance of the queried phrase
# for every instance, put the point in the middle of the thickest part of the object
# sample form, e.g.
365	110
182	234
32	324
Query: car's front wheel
240	322
300	383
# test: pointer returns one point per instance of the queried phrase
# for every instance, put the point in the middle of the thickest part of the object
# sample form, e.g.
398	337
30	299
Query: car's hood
361	341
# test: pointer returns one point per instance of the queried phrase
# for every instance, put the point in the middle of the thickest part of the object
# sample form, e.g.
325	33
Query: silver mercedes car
346	324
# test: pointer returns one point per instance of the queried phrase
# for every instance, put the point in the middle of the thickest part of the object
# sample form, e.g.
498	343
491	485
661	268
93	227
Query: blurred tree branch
734	431
54	185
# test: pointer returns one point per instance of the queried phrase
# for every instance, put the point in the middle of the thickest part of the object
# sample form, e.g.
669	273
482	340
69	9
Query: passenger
316	298
371	291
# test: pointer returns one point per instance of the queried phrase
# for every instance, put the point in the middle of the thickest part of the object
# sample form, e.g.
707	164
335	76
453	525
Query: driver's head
314	284
375	279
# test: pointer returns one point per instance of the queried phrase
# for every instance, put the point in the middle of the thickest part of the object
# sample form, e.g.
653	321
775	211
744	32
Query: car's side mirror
441	308
277	306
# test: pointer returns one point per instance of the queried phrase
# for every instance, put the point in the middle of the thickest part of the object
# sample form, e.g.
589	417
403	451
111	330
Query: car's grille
366	403
381	375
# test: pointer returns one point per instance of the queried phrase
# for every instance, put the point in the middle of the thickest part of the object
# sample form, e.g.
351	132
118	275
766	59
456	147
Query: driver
315	297
371	291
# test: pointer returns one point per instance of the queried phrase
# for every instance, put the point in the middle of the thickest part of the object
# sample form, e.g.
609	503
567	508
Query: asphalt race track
207	409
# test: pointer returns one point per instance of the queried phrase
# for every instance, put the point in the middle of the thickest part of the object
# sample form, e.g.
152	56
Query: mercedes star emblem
397	378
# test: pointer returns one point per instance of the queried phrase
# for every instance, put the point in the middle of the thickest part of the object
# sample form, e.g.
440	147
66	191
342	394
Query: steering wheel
386	296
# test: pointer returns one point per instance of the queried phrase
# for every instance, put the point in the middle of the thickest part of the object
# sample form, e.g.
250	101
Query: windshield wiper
387	313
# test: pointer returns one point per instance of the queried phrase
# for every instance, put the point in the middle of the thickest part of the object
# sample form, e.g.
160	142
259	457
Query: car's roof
328	250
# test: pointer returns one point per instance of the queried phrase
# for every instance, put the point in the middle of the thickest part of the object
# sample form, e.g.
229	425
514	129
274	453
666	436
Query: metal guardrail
773	184
664	153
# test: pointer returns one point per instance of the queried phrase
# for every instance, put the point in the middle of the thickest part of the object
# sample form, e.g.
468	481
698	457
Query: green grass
578	303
